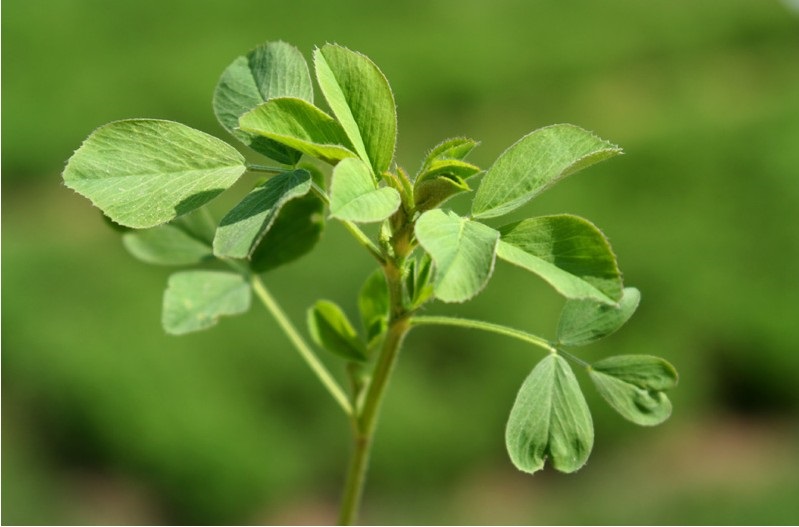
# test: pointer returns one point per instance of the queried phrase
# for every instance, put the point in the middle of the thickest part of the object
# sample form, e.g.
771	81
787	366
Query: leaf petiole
535	340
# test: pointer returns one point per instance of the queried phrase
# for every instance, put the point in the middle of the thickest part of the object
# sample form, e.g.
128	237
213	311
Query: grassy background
107	420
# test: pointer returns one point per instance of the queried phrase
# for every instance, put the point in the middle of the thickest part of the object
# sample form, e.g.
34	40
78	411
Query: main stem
364	422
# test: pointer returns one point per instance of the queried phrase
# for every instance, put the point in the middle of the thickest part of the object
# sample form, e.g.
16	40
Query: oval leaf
534	163
300	125
144	172
567	251
169	244
273	69
331	329
243	227
550	419
585	321
463	252
354	196
295	232
634	384
360	97
194	300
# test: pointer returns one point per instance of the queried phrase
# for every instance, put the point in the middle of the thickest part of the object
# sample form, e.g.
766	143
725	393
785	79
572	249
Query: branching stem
300	345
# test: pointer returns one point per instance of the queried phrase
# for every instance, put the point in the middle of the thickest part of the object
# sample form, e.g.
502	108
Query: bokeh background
106	420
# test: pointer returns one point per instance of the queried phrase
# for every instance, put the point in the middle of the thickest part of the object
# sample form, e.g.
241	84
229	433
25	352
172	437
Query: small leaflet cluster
153	177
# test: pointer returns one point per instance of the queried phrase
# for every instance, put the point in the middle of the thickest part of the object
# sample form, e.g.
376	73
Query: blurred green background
107	420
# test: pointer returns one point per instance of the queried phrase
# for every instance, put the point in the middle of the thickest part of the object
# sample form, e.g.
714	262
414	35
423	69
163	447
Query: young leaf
585	321
273	69
534	163
168	244
456	148
550	418
300	125
567	251
634	384
194	300
441	181
144	172
295	232
373	304
354	196
361	99
243	227
331	330
463	252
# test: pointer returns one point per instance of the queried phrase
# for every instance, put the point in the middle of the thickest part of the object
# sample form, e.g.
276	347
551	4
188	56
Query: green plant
155	177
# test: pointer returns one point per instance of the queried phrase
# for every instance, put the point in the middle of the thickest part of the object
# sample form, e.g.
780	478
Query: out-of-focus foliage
108	420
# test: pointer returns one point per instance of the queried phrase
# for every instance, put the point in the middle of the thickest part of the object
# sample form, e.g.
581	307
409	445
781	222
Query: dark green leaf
534	163
194	300
634	384
300	125
567	251
331	330
585	321
463	252
295	232
361	99
243	227
273	69
145	172
550	419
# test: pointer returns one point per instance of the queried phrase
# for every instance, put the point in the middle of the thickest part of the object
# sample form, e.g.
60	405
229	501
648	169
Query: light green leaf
462	250
354	195
273	69
567	251
169	244
456	148
373	305
534	163
442	179
331	329
550	419
295	232
144	172
194	300
361	99
300	125
586	321
243	227
634	384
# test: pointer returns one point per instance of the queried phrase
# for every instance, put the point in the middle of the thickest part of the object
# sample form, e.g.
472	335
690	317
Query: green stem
485	326
299	343
365	423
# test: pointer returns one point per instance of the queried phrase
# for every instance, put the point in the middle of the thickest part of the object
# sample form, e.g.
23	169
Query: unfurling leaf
463	252
567	251
361	99
242	228
194	300
373	304
634	386
550	419
273	69
145	172
331	329
534	163
300	125
586	321
354	195
456	148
